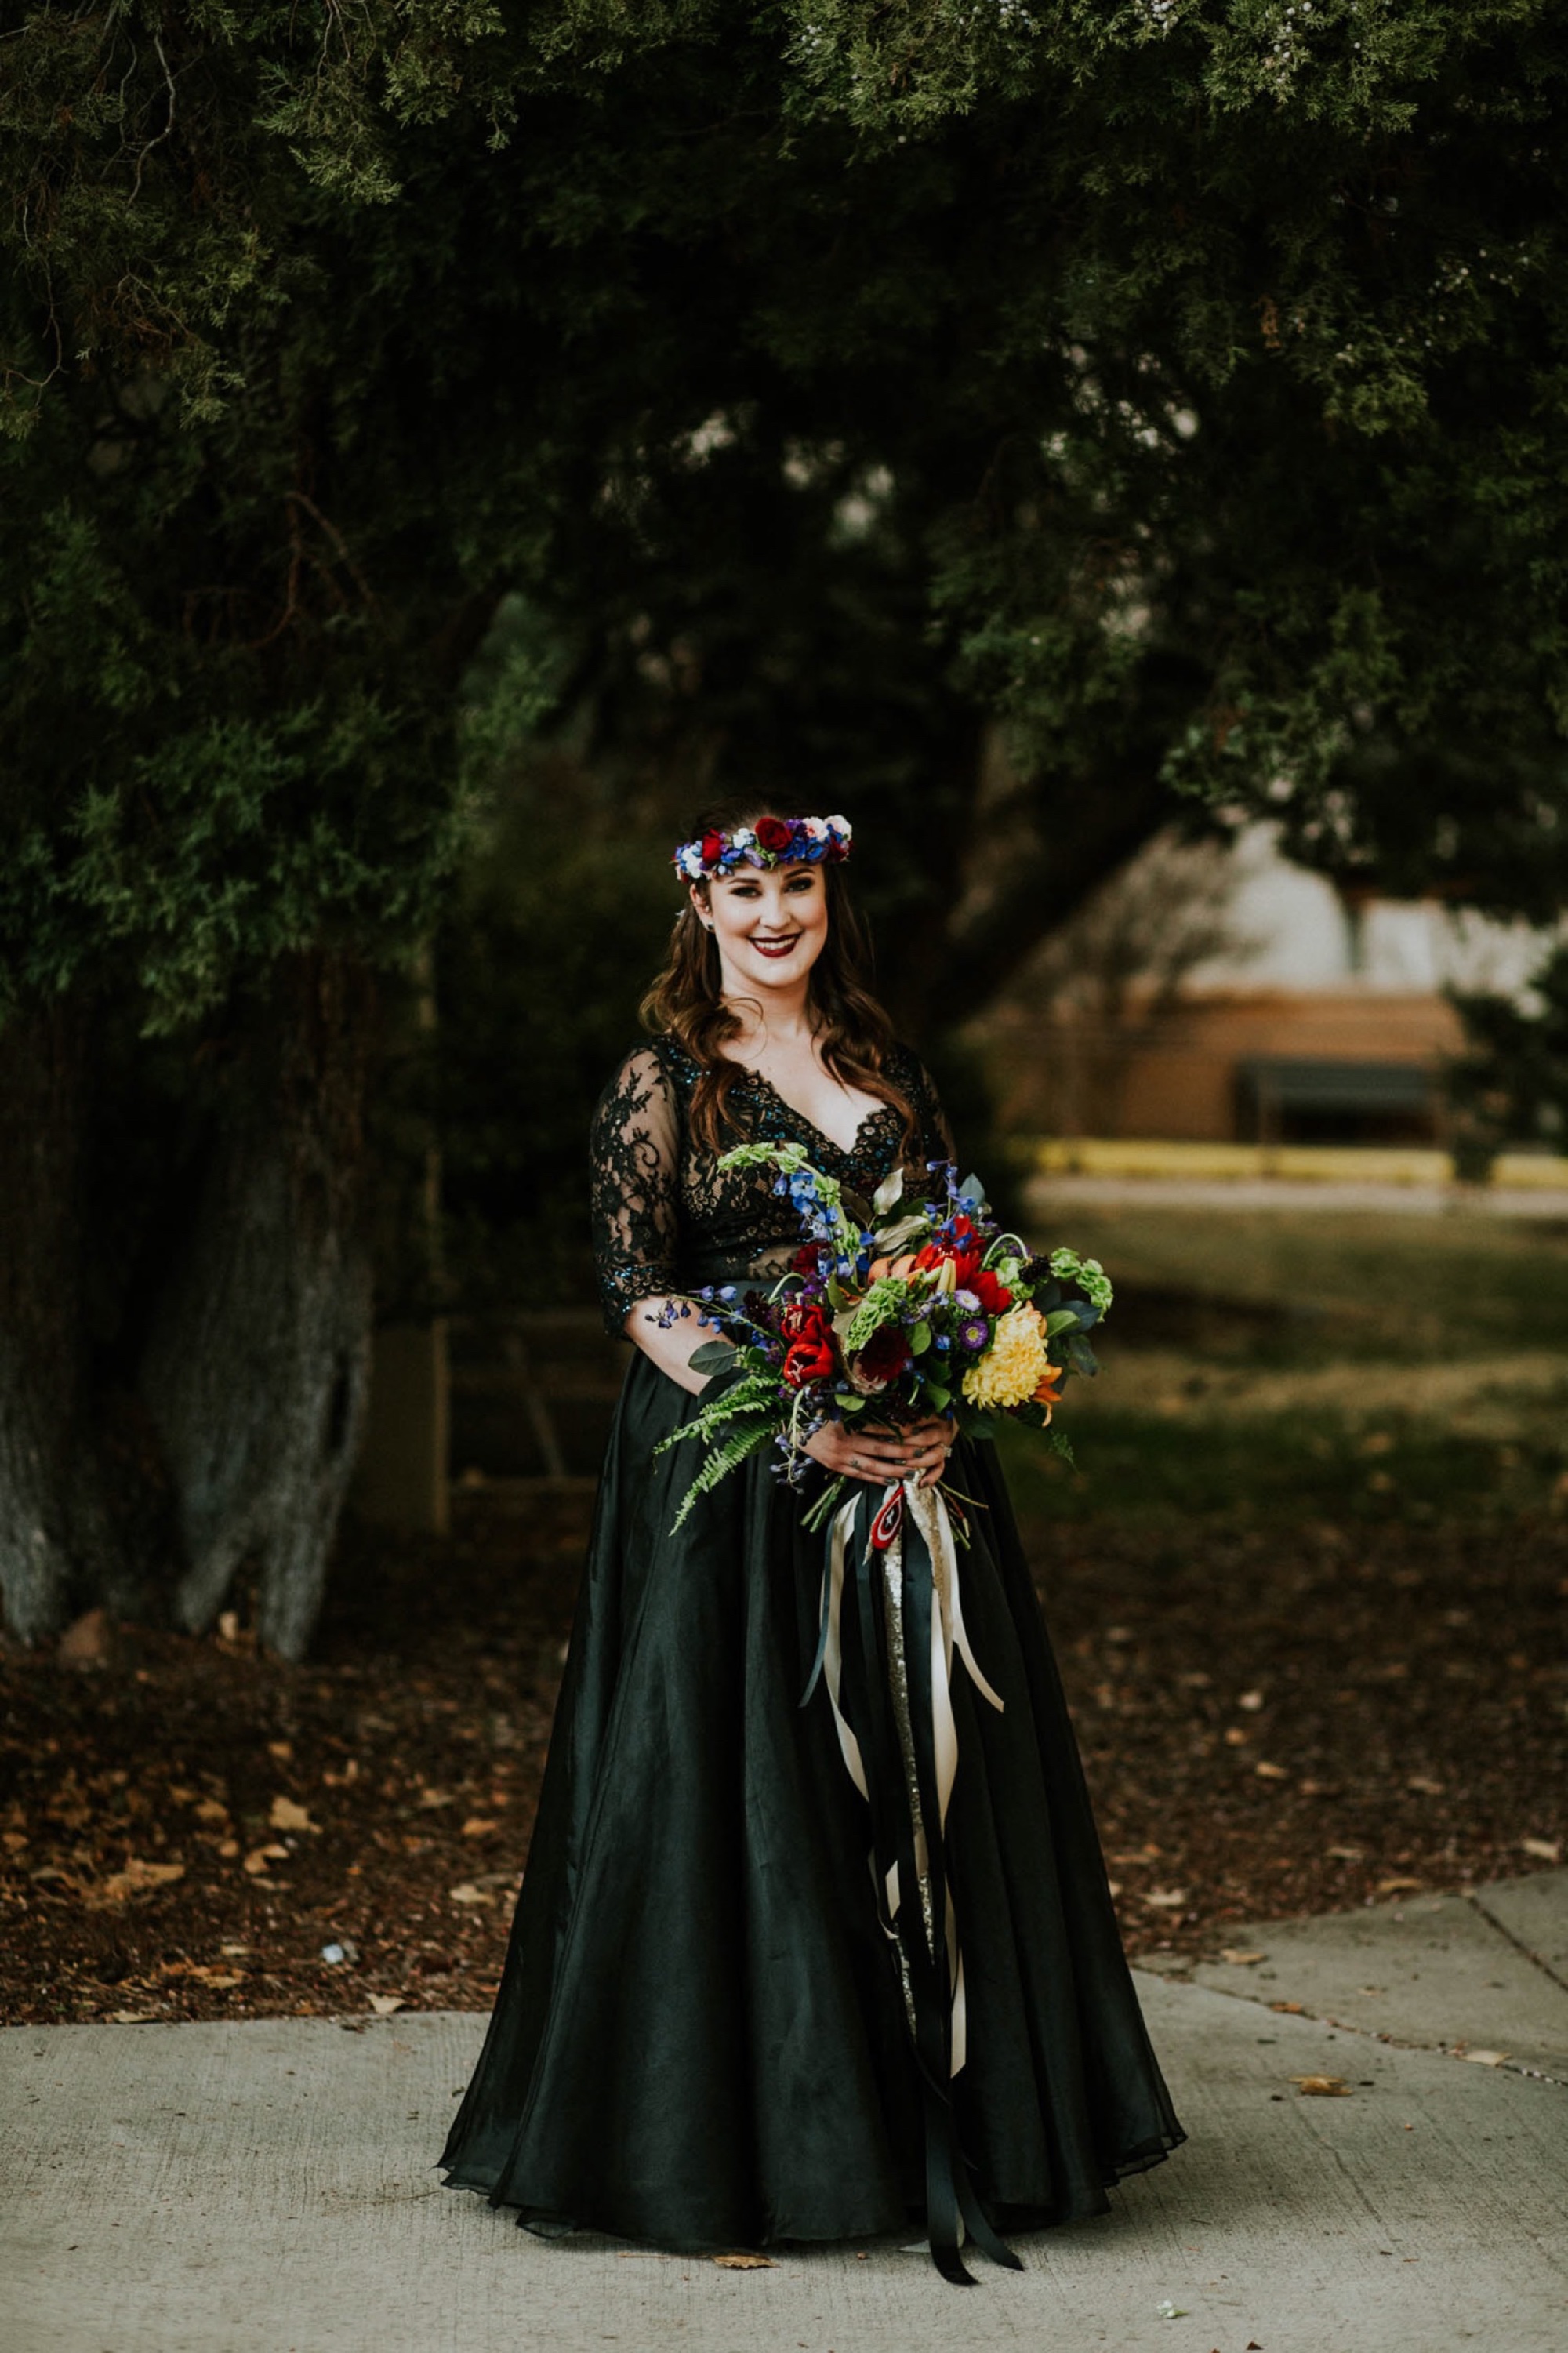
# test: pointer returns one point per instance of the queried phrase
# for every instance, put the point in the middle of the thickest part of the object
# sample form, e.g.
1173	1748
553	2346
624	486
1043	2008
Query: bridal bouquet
895	1309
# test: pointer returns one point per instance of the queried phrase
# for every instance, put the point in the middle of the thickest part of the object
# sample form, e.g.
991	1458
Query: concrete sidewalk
267	2188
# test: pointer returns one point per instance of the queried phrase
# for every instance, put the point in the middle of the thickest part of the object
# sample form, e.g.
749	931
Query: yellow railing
1322	1164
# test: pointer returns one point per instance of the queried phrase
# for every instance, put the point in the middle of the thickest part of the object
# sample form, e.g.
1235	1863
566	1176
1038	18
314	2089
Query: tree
1176	386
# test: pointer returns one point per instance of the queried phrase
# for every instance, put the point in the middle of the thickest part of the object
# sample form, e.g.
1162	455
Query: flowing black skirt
699	2040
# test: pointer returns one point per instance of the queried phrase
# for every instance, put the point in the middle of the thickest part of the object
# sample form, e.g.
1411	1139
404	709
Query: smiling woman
769	973
716	2025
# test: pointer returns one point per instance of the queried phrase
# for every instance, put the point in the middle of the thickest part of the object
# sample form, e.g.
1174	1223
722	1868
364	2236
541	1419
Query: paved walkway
267	2188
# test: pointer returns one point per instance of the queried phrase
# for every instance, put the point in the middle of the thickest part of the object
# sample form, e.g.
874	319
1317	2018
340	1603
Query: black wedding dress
701	2037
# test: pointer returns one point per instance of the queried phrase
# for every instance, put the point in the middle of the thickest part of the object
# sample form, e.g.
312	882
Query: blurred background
1118	461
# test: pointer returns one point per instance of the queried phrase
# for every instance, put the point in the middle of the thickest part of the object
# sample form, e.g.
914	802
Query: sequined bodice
666	1216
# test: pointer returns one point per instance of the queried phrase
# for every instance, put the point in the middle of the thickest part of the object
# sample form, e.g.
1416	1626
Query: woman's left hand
926	1446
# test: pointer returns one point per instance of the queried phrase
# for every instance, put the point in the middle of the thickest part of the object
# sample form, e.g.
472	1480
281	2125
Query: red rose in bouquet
994	1297
772	835
810	1351
884	1356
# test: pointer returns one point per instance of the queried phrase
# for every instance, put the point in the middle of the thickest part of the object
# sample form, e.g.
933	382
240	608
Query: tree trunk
58	1549
257	1363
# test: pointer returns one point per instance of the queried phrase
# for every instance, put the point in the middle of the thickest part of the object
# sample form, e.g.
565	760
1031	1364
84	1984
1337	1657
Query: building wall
1183	1083
1178	1079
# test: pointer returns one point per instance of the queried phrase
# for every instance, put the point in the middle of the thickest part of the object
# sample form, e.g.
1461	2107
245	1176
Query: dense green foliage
1181	382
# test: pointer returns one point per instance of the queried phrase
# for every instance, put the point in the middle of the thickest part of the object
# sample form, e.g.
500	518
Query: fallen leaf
1323	2087
135	1879
433	1798
1271	1772
477	1826
1292	2008
1168	2311
384	2004
228	1849
1347	1853
259	1857
132	2017
287	1815
745	2262
229	1626
1399	1886
466	1893
282	1750
211	1809
1423	1784
1166	1899
1544	1850
1235	1738
1241	1960
1252	1700
1114	1886
1488	2058
16	1840
88	1641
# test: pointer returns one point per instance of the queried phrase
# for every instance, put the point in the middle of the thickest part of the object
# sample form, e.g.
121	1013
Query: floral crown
772	841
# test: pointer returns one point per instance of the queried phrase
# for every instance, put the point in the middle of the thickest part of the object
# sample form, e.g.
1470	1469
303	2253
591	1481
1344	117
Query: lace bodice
666	1216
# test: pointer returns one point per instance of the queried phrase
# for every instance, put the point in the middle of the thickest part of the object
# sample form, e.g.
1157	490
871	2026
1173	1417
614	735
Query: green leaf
889	1193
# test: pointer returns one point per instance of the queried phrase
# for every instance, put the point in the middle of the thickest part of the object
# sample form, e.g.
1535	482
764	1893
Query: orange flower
1049	1392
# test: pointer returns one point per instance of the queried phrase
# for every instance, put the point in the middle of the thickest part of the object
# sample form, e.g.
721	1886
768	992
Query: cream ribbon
928	1511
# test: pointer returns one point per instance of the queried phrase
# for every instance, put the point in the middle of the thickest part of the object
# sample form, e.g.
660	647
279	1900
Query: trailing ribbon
887	1661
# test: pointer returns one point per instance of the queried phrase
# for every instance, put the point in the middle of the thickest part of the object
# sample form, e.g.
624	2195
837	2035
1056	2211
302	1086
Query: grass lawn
1284	1365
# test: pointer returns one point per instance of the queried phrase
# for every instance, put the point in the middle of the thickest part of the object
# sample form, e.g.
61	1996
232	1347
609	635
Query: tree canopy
1008	422
1178	384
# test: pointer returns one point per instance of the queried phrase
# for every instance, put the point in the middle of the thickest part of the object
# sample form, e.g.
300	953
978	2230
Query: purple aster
974	1334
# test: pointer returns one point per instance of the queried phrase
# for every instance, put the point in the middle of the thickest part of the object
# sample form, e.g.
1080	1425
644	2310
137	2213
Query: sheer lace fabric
666	1216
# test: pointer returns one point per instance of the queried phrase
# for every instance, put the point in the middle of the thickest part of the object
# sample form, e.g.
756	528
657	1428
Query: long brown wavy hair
854	1035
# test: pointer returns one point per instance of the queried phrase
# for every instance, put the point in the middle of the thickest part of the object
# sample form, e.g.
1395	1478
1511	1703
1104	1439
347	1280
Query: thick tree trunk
58	1549
257	1363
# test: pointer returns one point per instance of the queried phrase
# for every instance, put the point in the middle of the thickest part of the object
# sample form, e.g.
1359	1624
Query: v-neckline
845	1151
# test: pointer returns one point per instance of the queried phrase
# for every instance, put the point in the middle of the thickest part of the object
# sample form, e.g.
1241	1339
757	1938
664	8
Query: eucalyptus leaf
889	1193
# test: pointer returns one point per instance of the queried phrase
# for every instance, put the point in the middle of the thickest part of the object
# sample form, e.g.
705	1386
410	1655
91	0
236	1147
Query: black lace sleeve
633	1197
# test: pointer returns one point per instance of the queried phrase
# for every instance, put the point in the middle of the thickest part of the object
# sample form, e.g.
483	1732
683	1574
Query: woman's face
770	925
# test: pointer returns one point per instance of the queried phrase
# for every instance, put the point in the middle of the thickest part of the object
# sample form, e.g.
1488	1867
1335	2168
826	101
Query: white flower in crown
742	838
817	827
841	827
691	862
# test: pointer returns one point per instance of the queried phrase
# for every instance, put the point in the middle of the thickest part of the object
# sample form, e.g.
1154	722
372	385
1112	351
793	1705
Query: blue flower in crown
772	841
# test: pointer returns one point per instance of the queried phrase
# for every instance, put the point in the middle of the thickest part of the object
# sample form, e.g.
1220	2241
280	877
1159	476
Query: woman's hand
881	1455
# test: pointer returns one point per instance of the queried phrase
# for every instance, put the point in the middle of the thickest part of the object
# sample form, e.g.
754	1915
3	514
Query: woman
701	2038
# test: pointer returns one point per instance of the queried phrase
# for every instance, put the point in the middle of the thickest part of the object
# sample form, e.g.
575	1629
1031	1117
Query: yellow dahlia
1013	1366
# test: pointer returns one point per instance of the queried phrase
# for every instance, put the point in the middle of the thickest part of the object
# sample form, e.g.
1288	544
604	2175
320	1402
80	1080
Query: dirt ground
1273	1722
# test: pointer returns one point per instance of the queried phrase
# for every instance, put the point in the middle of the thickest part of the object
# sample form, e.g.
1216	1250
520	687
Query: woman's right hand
877	1456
